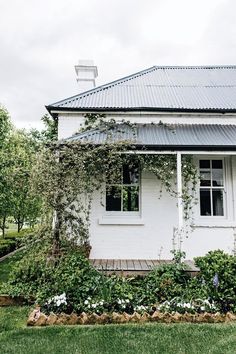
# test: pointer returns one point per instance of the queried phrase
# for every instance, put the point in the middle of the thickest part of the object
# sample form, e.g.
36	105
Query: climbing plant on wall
68	173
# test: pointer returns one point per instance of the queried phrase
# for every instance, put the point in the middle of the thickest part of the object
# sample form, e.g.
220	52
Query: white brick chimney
86	73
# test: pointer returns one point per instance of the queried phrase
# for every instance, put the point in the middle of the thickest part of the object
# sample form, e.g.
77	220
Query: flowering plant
193	306
57	303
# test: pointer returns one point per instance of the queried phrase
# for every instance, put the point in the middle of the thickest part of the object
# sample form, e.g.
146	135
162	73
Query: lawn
15	337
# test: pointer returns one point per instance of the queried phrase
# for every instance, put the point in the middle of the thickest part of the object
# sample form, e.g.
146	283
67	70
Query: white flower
127	300
119	301
206	302
101	303
86	302
94	306
202	308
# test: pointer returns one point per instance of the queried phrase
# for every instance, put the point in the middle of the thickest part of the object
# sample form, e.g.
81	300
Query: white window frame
216	221
211	188
122	213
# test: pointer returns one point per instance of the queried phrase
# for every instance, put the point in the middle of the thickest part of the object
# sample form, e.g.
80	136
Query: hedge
12	241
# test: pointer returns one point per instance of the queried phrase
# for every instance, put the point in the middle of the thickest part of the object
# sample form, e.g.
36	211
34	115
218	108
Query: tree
48	134
5	125
17	157
25	204
5	168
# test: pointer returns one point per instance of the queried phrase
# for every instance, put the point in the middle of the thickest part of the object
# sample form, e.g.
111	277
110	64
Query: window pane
130	174
205	178
217	196
204	163
113	198
217	164
130	198
205	202
217	173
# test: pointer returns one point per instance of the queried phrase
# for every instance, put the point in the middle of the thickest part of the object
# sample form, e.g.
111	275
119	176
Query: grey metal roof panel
187	88
182	135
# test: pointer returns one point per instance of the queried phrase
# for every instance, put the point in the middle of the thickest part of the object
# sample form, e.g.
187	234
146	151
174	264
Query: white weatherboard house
199	104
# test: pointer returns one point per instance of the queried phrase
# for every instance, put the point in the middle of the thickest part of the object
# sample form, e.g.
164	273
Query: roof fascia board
192	148
185	152
57	110
139	113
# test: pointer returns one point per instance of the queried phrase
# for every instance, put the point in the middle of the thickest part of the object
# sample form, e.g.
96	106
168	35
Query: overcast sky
42	40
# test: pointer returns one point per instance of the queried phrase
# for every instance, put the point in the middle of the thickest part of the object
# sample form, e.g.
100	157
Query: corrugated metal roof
162	136
162	88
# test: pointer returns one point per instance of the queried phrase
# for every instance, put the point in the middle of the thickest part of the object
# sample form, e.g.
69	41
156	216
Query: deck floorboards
136	266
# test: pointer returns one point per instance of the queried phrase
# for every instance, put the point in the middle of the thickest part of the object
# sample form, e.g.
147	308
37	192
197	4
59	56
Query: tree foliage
6	180
46	135
17	157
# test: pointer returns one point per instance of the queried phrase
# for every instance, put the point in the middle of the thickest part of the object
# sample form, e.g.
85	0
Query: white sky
42	40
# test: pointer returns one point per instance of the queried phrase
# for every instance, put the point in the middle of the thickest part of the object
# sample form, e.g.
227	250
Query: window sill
223	223
120	220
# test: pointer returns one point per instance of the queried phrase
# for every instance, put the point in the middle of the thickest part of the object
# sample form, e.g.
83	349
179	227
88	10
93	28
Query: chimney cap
86	65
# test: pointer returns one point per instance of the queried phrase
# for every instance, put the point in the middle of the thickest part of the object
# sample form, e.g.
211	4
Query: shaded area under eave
165	137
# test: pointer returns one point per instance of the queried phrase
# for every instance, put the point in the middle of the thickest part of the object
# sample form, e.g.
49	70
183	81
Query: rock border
38	318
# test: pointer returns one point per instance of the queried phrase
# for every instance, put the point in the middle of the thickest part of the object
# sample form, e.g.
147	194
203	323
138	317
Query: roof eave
50	109
143	147
187	147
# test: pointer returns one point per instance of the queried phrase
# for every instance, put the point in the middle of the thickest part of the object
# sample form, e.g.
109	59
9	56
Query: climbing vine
68	173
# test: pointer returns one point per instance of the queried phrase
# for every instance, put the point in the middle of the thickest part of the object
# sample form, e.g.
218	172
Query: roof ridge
229	66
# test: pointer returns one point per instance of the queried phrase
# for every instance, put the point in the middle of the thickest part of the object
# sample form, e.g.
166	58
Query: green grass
7	265
15	337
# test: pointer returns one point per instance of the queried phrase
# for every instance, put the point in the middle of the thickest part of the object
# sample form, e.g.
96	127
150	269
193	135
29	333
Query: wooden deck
128	267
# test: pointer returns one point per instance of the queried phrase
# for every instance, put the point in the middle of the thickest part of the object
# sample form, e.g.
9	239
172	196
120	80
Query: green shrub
36	276
6	246
13	240
218	278
165	282
19	235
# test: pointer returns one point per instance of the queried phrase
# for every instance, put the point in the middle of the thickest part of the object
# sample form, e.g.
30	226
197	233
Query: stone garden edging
38	318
